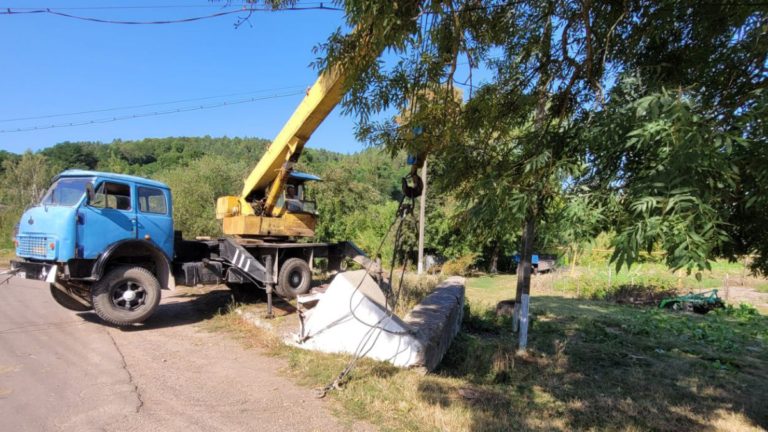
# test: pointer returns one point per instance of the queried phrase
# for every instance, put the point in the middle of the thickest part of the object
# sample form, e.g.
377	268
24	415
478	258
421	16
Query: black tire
67	302
295	278
113	305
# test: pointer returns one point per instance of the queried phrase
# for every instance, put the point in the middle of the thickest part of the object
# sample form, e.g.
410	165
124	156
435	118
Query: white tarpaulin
353	320
352	316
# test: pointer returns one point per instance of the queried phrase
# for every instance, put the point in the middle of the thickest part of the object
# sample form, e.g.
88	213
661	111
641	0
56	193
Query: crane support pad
241	259
352	305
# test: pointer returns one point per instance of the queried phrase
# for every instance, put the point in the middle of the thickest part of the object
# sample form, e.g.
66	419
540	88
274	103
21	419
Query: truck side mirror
89	193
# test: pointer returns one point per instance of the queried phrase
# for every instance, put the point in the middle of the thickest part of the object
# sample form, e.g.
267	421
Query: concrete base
352	317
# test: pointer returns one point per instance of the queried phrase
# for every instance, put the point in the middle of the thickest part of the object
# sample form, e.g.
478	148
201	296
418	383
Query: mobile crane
106	241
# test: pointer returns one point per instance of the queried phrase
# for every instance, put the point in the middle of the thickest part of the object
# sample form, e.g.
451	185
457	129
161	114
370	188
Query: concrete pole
422	218
523	305
524	246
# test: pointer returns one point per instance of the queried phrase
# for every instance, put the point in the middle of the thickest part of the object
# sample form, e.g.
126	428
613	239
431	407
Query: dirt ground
738	295
61	370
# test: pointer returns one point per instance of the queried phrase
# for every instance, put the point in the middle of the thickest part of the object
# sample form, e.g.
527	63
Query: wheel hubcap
295	279
129	296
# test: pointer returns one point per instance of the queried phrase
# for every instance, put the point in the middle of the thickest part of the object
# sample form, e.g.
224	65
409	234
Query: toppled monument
353	316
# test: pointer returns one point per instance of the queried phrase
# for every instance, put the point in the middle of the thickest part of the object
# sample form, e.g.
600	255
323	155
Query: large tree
657	106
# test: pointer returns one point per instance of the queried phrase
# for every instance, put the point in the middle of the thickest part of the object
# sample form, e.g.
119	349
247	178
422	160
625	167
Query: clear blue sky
54	65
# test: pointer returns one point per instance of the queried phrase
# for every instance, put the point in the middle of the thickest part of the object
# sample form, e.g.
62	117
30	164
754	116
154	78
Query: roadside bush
461	266
195	189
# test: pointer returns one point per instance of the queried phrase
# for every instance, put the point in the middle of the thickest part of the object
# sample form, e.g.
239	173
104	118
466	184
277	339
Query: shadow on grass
596	366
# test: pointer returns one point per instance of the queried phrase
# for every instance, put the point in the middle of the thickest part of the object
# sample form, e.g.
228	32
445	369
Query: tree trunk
495	259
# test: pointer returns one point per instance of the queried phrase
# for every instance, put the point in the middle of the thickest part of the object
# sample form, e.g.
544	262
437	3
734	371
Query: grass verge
6	255
591	366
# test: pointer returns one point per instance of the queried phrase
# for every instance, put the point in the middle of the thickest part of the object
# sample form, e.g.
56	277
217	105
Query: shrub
461	266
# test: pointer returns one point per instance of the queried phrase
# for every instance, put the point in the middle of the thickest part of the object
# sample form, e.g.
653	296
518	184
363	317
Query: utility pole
522	299
422	221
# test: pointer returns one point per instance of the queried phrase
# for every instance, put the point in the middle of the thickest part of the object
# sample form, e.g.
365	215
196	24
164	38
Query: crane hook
414	191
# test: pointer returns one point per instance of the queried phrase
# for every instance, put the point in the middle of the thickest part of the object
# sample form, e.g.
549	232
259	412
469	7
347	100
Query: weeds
414	289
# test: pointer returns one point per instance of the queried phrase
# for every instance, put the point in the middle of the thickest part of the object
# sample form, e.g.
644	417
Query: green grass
591	365
6	255
601	282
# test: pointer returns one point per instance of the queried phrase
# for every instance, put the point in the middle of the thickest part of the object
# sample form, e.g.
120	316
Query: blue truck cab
89	224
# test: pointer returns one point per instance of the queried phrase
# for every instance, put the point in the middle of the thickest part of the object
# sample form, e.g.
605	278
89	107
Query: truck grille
32	247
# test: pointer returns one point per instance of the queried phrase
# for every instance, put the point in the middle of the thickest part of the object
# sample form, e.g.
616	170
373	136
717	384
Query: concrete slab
438	320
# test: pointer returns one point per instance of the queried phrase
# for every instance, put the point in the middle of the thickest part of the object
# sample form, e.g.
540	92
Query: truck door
108	218
155	222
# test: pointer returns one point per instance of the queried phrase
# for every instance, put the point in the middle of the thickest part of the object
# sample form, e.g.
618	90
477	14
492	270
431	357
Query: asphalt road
62	370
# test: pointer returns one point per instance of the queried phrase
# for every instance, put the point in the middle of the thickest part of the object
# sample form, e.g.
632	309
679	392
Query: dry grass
235	320
590	366
6	255
414	289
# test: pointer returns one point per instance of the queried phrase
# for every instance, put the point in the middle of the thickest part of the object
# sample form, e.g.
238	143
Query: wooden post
680	279
578	287
525	289
609	278
422	217
573	263
744	273
727	290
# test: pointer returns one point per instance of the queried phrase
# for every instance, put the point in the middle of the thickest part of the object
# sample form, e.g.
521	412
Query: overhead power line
151	114
249	10
151	104
198	6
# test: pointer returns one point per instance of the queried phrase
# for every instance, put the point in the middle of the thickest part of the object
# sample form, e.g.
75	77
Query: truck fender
162	263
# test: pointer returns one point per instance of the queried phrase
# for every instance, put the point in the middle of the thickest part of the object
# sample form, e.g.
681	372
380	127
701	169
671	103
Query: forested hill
357	199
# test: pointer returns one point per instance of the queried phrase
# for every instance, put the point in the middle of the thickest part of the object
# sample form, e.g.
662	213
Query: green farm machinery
700	303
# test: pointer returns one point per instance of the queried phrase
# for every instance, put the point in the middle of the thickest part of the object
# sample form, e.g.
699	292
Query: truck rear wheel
295	278
126	295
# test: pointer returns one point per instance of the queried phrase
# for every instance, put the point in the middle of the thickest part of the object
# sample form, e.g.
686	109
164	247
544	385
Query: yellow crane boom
285	150
255	213
267	181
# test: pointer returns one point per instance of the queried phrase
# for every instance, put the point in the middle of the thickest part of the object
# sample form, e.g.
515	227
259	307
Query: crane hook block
415	190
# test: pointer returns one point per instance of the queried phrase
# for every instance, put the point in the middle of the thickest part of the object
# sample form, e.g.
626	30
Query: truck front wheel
295	278
126	295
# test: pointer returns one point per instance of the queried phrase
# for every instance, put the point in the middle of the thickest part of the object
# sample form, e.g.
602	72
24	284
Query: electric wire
9	11
151	104
190	6
250	10
151	114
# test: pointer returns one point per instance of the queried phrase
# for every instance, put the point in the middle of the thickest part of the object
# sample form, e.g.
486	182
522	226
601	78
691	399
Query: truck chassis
280	267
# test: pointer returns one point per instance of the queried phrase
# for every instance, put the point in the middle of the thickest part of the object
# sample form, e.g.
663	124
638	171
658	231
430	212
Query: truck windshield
65	192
